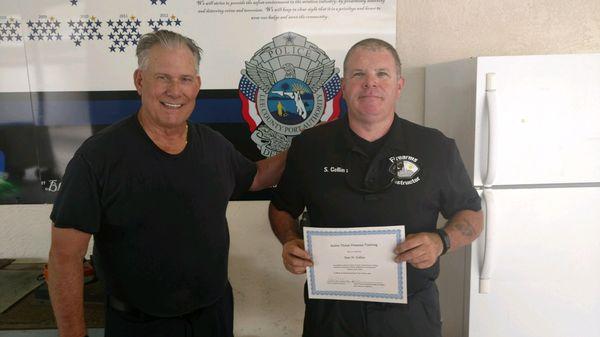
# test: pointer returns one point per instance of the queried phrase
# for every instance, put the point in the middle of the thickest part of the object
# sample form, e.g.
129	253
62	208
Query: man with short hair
372	168
153	190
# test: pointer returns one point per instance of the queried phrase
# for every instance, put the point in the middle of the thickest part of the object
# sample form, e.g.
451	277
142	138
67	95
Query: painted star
112	49
289	39
78	43
74	2
177	22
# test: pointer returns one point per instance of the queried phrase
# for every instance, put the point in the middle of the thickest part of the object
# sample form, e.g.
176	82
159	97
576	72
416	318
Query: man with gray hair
373	168
153	190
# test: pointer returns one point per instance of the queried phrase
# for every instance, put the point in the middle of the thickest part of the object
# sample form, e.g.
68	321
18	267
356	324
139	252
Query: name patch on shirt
334	169
404	170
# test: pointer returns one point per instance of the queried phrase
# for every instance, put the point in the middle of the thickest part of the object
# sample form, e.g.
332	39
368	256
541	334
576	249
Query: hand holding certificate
355	264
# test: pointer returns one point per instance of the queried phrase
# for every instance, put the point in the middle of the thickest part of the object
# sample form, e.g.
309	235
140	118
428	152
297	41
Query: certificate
355	264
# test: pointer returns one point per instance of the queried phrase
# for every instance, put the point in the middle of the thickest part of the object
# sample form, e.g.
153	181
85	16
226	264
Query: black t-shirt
161	239
414	176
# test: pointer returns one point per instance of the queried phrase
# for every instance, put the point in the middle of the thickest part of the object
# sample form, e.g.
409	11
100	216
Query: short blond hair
374	44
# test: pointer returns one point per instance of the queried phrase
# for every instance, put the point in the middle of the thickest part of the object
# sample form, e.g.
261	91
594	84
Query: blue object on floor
2	163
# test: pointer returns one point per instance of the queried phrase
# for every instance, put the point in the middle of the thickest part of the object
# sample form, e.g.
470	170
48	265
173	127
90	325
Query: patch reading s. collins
334	169
404	170
287	86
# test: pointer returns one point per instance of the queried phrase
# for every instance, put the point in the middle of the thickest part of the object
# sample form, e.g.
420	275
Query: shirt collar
395	141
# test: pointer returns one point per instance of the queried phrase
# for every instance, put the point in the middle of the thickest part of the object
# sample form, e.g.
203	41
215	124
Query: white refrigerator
528	129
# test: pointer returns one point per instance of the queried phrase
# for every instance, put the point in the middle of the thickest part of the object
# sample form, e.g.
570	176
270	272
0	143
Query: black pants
419	318
215	320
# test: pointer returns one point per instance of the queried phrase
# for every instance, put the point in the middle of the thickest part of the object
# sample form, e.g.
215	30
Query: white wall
268	299
435	31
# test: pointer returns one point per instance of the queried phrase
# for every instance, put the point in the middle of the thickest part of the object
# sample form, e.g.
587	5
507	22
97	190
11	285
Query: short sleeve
457	191
77	205
288	194
243	170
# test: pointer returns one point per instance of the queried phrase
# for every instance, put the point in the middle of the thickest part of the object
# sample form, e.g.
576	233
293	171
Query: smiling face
371	85
168	86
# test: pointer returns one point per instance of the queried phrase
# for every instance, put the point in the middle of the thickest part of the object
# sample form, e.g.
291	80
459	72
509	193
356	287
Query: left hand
421	250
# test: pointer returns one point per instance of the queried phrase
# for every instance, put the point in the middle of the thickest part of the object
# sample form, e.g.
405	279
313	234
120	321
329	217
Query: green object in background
7	189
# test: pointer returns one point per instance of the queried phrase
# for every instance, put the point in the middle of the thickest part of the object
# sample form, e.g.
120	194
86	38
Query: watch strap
445	240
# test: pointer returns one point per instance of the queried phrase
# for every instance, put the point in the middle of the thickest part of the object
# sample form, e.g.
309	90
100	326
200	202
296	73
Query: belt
123	307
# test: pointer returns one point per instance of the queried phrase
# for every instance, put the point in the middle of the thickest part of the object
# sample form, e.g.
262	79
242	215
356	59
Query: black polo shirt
416	174
161	240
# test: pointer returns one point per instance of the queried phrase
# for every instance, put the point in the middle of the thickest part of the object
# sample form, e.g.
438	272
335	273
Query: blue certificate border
312	232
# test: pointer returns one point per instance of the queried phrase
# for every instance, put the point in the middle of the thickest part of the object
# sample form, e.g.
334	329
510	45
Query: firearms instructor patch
287	86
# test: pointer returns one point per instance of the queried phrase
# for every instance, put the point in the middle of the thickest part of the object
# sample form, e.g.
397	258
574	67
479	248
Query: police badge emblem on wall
287	86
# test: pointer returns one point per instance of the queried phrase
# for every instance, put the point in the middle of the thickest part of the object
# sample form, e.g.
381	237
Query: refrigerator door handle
490	95
485	274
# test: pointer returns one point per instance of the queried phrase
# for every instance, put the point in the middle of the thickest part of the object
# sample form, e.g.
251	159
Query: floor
32	314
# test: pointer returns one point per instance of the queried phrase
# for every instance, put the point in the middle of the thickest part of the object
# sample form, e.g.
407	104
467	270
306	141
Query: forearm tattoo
464	227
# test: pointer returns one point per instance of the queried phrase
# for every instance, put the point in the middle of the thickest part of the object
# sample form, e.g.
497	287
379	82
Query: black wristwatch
445	240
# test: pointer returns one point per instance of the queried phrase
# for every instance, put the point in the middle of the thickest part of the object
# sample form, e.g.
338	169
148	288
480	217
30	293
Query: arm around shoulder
268	171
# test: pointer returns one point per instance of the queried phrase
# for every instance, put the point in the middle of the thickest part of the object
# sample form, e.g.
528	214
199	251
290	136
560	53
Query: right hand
295	258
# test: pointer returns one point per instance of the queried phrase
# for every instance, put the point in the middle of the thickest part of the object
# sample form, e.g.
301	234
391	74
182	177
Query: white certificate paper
355	264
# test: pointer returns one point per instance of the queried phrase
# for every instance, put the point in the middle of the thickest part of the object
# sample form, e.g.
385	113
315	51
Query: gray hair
167	39
373	44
